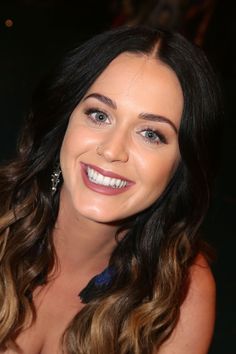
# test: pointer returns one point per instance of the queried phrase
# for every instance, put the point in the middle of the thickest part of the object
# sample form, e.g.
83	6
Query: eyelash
91	111
161	137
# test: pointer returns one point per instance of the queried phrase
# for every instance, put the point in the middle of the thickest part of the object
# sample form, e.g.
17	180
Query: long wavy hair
140	308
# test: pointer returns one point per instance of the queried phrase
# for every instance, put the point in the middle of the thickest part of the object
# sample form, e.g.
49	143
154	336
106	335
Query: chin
101	215
101	218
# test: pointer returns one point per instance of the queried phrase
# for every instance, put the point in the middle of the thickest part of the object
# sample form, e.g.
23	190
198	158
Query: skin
144	86
194	330
88	220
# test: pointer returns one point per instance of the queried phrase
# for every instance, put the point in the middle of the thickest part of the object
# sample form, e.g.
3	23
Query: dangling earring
55	178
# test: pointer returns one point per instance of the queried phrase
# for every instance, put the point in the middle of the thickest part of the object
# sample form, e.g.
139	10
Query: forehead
144	81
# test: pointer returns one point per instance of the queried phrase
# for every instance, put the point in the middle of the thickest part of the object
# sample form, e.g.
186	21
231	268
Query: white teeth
98	178
92	172
113	182
118	183
106	181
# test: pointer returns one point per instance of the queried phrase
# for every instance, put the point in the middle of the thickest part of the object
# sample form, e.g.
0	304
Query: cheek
70	150
76	142
66	153
156	171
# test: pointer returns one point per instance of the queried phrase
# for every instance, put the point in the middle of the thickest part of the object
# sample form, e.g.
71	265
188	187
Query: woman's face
121	148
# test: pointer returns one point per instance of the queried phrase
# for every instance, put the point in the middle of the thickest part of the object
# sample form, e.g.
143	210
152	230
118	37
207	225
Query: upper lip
106	173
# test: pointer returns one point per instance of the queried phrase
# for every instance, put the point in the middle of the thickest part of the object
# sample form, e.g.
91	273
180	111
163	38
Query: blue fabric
104	278
97	285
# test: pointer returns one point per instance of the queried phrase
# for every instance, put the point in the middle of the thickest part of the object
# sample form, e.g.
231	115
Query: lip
100	188
107	173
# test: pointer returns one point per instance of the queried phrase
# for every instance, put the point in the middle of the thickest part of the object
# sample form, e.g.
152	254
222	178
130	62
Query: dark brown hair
141	306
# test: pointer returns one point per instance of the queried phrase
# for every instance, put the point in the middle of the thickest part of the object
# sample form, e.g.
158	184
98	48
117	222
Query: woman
101	209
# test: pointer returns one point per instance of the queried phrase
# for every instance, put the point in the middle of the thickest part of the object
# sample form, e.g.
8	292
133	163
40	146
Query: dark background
39	32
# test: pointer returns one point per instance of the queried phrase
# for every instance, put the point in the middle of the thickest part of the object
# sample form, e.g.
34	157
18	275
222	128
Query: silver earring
55	178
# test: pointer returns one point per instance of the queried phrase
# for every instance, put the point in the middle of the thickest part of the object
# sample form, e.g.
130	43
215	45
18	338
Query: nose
114	148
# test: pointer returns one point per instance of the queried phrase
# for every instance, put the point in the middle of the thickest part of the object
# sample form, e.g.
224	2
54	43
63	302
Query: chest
55	308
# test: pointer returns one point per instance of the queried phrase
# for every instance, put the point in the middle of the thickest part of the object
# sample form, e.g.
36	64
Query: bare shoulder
194	330
201	278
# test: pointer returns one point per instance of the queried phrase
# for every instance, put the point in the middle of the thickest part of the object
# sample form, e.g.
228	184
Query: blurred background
35	33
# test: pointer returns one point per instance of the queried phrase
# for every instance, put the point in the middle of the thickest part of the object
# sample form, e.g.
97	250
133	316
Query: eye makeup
150	134
97	116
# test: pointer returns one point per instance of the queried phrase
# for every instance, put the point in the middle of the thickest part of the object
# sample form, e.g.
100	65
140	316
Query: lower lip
100	188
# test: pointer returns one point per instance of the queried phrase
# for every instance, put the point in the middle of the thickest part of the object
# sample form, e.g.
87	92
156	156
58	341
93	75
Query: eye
97	116
152	136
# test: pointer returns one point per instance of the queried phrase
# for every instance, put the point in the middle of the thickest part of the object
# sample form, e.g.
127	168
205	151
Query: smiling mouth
98	178
104	178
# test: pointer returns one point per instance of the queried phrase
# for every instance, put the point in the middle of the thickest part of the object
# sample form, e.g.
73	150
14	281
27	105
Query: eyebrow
158	118
103	99
146	116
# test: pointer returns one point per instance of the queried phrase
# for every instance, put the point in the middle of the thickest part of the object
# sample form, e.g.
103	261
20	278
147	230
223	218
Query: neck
82	245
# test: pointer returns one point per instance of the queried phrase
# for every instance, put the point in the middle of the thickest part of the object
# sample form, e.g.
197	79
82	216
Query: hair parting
140	308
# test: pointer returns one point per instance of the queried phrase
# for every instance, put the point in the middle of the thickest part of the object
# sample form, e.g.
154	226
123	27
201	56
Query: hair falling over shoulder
141	307
23	217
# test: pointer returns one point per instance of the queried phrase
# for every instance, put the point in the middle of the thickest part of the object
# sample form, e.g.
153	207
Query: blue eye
97	117
152	136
